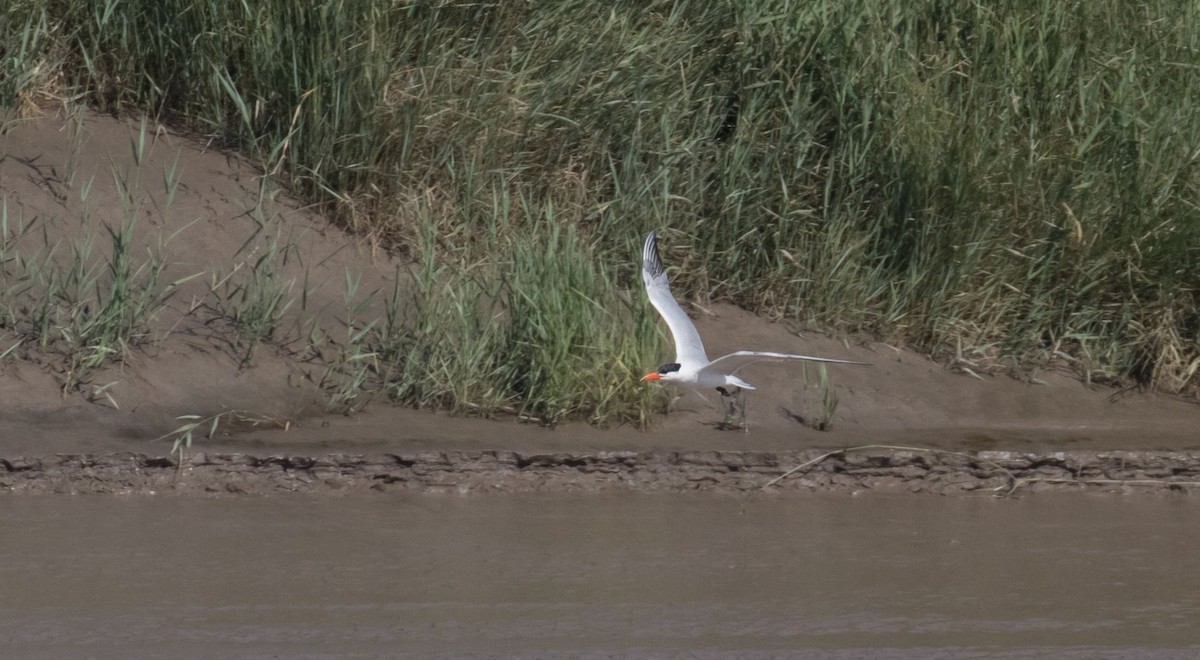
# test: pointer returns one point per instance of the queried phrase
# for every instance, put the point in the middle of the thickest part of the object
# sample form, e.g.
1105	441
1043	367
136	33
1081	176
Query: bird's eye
668	368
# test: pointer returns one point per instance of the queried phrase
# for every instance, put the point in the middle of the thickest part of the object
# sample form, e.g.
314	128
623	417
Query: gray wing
689	350
729	364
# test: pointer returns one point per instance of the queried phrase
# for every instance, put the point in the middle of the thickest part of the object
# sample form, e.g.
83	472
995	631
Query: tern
692	368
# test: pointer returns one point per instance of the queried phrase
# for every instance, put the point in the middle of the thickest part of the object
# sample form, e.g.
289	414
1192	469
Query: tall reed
1015	181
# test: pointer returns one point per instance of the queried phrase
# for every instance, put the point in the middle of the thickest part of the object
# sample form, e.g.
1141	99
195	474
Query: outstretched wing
689	350
730	364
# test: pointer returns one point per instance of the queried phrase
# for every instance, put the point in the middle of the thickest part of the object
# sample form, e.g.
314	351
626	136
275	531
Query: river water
1050	575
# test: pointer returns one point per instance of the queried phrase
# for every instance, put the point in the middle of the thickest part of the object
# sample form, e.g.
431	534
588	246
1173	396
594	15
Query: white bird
692	368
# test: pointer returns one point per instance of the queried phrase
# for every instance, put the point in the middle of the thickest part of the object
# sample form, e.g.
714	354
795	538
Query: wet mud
874	468
600	576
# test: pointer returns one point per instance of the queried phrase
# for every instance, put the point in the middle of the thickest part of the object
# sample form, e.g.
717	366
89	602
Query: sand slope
192	367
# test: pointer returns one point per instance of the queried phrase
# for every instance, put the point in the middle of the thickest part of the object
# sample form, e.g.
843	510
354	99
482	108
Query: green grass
83	304
254	297
181	438
1009	184
538	331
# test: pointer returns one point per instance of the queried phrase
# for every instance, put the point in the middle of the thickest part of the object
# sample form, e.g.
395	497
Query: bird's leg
735	408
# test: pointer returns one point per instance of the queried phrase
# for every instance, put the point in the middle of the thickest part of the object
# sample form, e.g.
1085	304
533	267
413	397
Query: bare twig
1012	479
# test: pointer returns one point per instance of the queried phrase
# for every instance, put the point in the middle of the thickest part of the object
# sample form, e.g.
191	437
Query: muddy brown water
1054	575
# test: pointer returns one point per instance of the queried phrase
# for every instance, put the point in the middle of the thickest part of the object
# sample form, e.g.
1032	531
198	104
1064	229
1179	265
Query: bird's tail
738	382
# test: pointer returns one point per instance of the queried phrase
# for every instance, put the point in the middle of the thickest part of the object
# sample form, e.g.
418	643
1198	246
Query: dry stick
1012	478
818	459
1013	481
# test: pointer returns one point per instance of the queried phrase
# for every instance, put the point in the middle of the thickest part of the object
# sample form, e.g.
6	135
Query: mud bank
849	471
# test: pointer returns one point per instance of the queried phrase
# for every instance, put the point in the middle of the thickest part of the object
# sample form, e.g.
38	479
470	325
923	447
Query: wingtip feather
651	262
